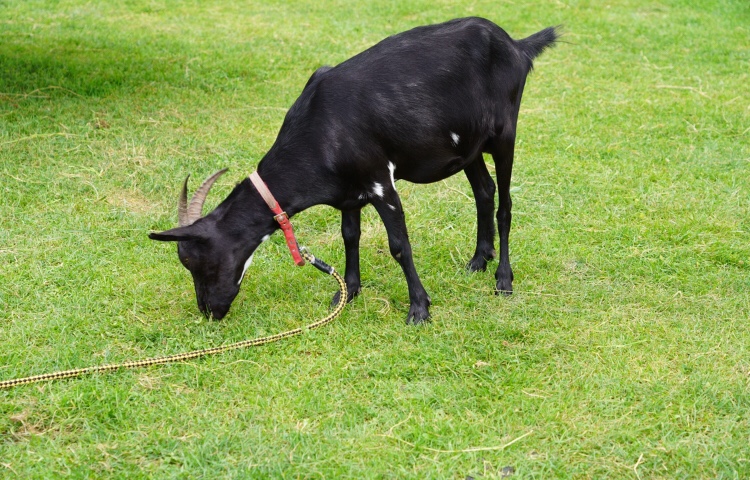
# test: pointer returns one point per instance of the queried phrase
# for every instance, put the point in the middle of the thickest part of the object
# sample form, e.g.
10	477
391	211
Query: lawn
623	353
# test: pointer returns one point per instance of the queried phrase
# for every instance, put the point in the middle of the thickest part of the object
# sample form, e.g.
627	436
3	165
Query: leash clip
316	262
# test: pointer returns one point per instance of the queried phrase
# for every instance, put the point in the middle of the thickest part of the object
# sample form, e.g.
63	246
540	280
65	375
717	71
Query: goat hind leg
484	195
502	149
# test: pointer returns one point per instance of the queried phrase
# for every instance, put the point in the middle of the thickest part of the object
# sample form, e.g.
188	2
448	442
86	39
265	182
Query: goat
419	106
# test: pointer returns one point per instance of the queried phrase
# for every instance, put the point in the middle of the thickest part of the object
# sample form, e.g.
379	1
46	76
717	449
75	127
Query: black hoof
478	262
350	294
418	315
504	277
477	265
504	288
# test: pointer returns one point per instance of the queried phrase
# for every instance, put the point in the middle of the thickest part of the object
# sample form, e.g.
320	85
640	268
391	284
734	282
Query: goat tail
533	45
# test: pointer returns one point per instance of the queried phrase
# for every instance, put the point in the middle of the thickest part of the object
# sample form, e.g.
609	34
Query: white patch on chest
455	139
377	189
392	169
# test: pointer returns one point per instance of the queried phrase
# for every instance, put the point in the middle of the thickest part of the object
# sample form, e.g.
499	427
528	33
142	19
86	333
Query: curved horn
182	216
195	209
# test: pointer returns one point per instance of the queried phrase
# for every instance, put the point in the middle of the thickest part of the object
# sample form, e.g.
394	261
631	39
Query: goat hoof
418	316
504	288
477	264
504	277
351	293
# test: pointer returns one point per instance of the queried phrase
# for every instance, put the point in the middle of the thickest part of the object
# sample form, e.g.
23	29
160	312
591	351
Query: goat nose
217	312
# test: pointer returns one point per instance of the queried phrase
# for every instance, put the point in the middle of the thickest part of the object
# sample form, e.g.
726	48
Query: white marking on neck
392	169
391	207
247	265
377	189
455	138
250	260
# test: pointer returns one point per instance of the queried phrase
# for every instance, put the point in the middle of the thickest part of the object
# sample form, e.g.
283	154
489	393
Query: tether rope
319	264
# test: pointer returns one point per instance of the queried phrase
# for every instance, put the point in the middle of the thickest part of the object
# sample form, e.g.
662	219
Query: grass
622	354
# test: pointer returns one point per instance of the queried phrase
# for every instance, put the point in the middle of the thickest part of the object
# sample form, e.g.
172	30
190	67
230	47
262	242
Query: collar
280	216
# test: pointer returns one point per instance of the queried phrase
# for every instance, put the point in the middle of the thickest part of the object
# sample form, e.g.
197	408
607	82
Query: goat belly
430	170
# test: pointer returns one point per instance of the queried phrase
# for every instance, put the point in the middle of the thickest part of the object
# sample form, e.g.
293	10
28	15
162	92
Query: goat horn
182	216
195	209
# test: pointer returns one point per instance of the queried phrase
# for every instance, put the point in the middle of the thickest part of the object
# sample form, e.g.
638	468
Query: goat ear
179	234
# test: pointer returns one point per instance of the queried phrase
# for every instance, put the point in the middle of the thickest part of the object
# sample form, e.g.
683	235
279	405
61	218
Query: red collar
280	216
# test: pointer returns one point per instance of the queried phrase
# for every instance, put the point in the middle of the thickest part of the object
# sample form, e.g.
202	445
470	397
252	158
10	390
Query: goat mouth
215	313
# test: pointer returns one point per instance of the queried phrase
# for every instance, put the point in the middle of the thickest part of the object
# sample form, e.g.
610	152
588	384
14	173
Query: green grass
624	352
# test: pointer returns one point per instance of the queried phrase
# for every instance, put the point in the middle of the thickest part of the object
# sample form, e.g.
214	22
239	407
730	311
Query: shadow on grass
102	66
88	71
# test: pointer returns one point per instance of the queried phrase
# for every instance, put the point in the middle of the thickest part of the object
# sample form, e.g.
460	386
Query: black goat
419	106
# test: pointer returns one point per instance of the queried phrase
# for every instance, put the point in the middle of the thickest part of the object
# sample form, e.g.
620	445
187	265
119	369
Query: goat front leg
484	195
350	231
388	206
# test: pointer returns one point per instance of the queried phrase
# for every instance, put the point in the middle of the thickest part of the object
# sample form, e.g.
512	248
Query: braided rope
199	353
